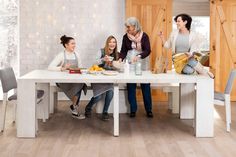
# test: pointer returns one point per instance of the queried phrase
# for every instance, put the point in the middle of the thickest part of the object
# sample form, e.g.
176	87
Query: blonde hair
106	47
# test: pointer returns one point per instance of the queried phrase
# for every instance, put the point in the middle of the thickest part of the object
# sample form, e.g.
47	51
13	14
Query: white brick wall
90	22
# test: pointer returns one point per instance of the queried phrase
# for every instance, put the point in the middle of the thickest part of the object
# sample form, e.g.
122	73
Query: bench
172	90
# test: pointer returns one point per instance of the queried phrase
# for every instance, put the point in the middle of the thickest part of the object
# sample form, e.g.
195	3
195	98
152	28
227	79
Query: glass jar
138	68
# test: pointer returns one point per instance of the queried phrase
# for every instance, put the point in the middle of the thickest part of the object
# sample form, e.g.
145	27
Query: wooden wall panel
223	42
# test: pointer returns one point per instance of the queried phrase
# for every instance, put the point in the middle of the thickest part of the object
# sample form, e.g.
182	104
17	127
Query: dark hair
185	17
65	40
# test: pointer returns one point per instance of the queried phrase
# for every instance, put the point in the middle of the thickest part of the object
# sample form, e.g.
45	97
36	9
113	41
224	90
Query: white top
58	61
182	43
195	41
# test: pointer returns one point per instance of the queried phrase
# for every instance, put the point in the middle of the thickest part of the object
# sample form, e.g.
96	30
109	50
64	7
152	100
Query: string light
30	36
82	28
38	53
28	45
47	49
39	42
95	5
49	17
72	26
54	22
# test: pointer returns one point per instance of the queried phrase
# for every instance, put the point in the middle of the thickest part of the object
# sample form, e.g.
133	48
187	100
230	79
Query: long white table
196	96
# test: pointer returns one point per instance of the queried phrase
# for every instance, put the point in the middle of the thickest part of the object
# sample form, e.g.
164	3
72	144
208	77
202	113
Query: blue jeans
94	100
146	91
189	67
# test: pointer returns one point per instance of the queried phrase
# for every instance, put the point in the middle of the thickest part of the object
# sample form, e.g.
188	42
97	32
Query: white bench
172	90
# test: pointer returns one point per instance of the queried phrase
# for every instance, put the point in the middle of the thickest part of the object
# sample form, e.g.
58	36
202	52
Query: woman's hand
63	68
189	55
161	35
106	58
120	60
135	59
109	63
66	67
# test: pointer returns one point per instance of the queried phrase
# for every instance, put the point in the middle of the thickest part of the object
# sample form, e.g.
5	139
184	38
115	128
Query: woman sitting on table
185	41
104	59
136	46
64	61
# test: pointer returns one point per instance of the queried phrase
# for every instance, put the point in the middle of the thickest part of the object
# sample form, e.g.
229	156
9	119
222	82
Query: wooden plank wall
223	42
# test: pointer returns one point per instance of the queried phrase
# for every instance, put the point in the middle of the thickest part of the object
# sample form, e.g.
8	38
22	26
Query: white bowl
110	58
118	65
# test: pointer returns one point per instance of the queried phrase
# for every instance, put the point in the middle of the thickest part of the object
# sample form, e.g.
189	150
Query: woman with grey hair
136	46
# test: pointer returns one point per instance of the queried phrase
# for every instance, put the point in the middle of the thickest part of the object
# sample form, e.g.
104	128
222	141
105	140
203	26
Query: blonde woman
64	61
107	54
104	59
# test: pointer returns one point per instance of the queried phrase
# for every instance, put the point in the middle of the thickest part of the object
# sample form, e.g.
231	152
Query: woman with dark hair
136	46
104	59
64	61
186	41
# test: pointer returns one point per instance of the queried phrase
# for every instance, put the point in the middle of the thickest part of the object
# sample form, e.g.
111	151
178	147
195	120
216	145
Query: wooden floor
163	136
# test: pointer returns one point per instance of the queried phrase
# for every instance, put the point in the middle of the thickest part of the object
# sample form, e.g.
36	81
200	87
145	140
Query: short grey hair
133	21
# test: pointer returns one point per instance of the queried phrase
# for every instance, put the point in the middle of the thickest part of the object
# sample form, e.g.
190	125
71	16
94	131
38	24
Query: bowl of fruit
95	69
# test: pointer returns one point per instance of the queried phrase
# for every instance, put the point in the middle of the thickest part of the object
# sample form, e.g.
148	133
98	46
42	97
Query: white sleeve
168	43
56	63
98	58
196	43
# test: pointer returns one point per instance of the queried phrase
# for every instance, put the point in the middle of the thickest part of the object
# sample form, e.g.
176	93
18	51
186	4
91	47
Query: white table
196	93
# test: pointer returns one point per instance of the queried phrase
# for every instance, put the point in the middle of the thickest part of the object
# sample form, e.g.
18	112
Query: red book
75	71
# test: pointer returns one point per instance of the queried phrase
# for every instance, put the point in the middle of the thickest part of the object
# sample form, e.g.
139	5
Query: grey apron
71	89
100	88
145	62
